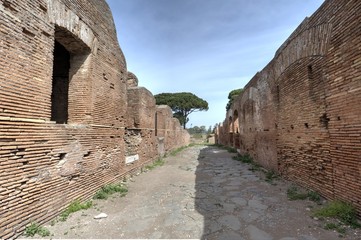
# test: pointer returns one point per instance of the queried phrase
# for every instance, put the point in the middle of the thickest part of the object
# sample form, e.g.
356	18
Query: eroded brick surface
65	133
301	115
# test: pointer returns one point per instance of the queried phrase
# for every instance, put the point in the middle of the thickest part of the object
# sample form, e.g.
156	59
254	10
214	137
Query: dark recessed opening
46	34
59	96
87	154
156	124
7	139
324	120
105	76
29	33
44	8
306	125
62	156
292	127
278	94
7	4
310	72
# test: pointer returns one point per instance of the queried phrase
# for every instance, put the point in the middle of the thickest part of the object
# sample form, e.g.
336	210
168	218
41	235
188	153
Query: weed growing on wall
270	176
159	162
231	150
314	196
333	226
34	228
74	207
243	158
178	150
110	189
342	211
293	194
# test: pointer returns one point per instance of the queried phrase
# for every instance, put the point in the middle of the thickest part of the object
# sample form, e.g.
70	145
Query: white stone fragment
100	216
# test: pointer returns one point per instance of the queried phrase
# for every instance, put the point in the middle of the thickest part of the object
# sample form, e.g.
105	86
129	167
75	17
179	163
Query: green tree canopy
232	96
182	104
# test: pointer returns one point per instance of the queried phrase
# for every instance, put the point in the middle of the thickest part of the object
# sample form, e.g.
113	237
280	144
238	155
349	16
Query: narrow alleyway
201	193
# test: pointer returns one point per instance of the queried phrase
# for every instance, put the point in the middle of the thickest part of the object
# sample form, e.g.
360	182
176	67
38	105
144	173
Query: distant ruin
72	118
301	115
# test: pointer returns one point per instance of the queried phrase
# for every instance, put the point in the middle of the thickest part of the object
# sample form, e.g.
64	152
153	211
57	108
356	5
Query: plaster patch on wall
71	163
130	159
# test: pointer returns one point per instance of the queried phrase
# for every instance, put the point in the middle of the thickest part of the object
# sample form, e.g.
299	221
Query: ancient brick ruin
72	118
301	115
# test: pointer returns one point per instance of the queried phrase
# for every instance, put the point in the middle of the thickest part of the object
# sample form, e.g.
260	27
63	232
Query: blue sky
207	47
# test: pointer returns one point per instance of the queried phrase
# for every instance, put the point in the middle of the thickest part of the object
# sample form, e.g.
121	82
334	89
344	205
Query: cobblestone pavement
201	193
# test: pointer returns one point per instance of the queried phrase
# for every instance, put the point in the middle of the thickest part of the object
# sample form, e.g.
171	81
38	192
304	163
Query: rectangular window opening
310	72
71	74
60	84
156	124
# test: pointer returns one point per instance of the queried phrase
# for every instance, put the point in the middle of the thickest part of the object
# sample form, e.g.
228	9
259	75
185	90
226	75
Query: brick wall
142	138
49	159
301	115
169	132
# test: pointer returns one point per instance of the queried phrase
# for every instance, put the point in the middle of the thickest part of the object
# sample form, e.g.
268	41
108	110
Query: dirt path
201	194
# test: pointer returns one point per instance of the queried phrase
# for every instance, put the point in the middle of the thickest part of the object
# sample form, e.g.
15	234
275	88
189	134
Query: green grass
248	159
157	163
255	167
333	226
110	189
74	207
176	151
294	194
270	176
231	149
34	228
342	211
314	196
243	158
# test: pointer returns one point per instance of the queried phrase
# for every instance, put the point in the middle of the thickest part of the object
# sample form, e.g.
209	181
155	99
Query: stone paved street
200	194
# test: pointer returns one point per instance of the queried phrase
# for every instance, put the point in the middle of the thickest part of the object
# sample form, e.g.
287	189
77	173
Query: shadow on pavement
237	203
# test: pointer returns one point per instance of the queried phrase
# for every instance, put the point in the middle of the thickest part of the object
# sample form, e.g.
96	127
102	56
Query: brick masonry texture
70	113
301	115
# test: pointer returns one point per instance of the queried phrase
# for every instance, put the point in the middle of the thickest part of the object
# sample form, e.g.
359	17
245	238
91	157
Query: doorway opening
60	84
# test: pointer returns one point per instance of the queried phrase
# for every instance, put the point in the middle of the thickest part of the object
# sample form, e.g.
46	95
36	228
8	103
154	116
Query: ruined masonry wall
301	115
44	165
